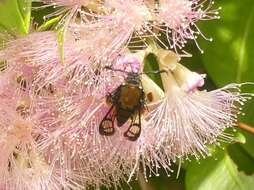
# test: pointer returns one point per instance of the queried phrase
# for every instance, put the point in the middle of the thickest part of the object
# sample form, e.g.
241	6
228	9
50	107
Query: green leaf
48	24
230	57
239	138
151	64
39	12
218	172
15	16
249	145
242	158
134	184
25	9
165	182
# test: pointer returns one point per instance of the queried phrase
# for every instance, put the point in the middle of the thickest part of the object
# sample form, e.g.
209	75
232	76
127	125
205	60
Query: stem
246	127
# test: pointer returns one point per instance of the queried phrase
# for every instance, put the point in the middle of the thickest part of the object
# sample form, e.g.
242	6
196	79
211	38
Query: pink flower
36	49
69	10
132	13
132	21
72	119
189	81
22	165
20	162
179	17
69	138
186	121
111	22
67	2
54	96
39	53
66	118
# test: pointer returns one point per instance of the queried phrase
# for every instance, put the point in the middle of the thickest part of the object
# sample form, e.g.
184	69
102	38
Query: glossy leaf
151	64
49	24
229	58
242	158
218	172
15	16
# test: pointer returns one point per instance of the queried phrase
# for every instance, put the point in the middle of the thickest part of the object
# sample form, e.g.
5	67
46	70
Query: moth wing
134	129
106	127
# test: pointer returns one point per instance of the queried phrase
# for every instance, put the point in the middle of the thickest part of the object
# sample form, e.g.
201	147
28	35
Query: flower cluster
130	21
62	101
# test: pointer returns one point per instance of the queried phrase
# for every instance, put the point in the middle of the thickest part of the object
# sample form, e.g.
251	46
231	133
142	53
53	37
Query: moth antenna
155	72
118	70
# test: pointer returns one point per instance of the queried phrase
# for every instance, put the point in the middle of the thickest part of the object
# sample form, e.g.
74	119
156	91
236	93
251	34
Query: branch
246	127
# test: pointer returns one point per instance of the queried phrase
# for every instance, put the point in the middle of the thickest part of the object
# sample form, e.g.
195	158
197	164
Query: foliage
229	58
15	16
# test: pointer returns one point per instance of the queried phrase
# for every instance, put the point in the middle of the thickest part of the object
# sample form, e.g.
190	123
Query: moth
127	103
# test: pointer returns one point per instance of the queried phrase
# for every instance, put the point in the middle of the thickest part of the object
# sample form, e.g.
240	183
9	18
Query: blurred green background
228	59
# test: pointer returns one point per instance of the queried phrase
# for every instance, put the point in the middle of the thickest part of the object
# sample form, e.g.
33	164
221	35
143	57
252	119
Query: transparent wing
106	127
